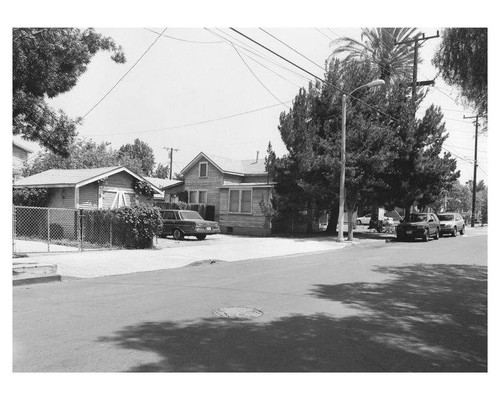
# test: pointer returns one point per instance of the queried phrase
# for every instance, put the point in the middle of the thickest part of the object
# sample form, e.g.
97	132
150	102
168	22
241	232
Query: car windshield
418	217
189	215
446	217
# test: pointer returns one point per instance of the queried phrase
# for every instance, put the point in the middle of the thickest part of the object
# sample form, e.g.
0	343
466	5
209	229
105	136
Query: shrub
30	197
137	225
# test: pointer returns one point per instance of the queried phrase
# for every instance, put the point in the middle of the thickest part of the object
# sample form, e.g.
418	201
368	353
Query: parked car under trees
419	226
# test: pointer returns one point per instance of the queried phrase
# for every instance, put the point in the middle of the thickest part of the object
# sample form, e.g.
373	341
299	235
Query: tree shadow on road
422	318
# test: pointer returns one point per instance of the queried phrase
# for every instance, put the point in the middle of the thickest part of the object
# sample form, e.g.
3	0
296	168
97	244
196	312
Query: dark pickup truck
180	223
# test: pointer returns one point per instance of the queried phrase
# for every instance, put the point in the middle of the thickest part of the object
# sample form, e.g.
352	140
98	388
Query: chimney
257	157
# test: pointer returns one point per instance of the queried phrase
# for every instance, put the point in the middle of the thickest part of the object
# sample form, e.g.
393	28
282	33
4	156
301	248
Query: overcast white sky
195	76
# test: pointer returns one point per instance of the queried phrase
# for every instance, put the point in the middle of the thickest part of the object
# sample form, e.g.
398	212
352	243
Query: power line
190	124
324	34
249	49
315	76
182	40
291	48
126	73
256	77
258	62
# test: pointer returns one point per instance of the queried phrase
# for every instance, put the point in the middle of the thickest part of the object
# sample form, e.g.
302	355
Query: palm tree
379	46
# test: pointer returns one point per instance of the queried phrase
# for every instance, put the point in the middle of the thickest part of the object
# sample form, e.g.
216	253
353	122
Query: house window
198	196
240	201
202	197
203	169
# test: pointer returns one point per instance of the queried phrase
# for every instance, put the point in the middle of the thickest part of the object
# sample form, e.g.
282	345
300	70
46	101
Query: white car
364	220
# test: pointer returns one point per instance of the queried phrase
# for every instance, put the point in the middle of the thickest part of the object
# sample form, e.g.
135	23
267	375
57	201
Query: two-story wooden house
239	190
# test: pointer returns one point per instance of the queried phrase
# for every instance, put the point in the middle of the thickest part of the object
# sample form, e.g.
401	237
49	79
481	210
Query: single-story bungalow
92	188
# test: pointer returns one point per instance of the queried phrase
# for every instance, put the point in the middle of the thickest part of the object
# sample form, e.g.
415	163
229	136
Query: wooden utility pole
416	83
473	216
171	159
415	41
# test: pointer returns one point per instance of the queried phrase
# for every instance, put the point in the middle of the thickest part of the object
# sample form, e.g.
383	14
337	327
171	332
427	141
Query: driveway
169	253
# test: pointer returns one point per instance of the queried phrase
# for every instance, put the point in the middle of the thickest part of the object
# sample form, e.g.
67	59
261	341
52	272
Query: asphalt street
376	306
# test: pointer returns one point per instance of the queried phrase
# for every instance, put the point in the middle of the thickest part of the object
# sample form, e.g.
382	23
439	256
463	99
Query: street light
377	82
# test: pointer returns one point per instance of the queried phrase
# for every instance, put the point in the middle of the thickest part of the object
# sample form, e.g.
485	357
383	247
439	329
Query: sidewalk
170	254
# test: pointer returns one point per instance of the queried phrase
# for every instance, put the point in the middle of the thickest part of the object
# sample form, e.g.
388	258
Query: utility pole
416	83
171	158
415	41
473	216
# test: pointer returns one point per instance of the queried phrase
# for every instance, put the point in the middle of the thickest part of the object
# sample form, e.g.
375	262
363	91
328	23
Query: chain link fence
40	230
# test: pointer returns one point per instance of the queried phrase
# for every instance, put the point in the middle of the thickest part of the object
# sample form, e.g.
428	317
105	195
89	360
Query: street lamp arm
377	82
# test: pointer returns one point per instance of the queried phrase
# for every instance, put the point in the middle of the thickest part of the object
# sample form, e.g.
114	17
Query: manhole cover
237	313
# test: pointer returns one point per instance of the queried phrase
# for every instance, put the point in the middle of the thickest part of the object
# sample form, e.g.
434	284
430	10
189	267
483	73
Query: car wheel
178	235
437	235
201	237
426	236
462	231
454	233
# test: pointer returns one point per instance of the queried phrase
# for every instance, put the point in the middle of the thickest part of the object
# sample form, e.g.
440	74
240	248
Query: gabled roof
22	146
163	183
74	177
230	166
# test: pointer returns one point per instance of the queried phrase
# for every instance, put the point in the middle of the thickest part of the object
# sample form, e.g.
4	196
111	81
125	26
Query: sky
193	75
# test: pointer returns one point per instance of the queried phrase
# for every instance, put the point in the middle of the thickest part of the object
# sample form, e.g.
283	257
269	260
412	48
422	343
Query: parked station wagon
180	223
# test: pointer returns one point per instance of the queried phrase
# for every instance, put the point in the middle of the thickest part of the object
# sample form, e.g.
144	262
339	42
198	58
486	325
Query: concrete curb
36	279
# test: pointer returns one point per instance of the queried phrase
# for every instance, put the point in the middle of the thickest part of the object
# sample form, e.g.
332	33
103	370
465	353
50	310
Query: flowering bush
137	225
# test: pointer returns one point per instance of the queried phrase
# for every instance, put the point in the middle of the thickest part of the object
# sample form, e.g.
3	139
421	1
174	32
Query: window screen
202	197
193	197
234	201
246	201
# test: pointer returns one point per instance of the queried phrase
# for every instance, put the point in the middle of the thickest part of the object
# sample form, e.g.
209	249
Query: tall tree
81	154
46	63
142	153
392	159
162	171
378	45
462	60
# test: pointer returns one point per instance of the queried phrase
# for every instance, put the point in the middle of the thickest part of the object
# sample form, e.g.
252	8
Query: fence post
48	230
111	233
80	231
14	230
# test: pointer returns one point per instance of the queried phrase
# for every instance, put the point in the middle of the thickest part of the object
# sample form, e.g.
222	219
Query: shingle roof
69	177
228	165
162	183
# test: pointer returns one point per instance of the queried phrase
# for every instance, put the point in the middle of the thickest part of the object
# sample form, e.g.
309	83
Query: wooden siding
19	157
211	183
120	180
62	198
245	224
89	195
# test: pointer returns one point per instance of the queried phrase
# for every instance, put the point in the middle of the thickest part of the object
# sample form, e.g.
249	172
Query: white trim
206	169
116	171
239	201
197	196
199	156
